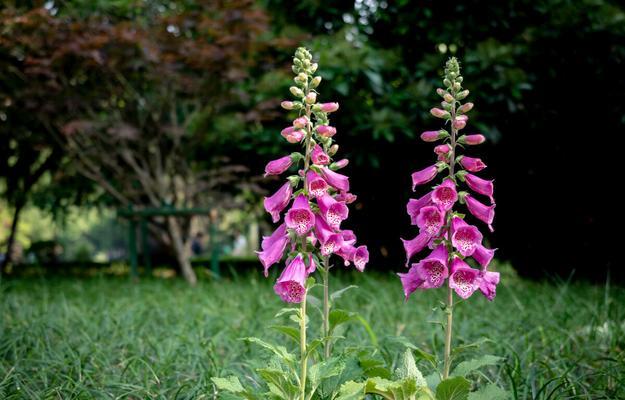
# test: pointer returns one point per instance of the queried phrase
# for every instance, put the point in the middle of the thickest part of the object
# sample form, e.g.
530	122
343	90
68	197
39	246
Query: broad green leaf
277	382
456	388
490	392
337	294
352	391
286	311
230	384
338	317
465	367
464	347
280	351
325	369
330	387
289	331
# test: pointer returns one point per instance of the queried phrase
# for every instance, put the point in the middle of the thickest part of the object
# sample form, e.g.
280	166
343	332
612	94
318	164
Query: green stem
450	292
302	343
326	306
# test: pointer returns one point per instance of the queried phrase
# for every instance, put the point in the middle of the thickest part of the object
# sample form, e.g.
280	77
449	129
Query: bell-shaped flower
480	211
414	206
424	176
432	270
312	266
430	220
273	248
479	185
336	180
276	167
442	151
410	281
415	245
292	135
318	156
361	258
483	256
333	211
326	131
317	186
445	195
465	238
291	285
330	241
472	164
299	217
278	201
345	197
348	236
487	282
301	122
463	279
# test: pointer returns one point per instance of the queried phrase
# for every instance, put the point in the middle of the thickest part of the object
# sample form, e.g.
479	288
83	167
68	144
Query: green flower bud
333	150
462	95
448	98
297	92
315	82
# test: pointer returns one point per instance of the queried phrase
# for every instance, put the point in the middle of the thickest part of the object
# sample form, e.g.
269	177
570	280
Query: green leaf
408	369
352	391
490	392
326	369
286	311
338	317
280	351
465	367
230	384
456	388
289	331
337	294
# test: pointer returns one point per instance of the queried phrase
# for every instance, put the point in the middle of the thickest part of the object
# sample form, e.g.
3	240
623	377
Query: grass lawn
109	338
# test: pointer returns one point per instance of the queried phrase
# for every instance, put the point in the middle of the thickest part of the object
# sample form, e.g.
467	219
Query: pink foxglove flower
472	140
445	195
300	123
480	211
361	258
347	198
292	135
433	136
463	278
278	201
410	281
339	164
333	211
319	157
479	185
465	238
415	245
430	220
326	131
424	176
330	240
317	186
487	282
442	151
291	285
329	107
472	164
483	256
414	206
273	248
432	270
336	180
276	167
299	217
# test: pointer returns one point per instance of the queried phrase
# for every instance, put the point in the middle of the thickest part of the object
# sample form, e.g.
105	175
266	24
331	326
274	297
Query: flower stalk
325	273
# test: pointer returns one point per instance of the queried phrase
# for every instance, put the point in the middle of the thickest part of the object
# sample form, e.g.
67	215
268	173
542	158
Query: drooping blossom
445	195
273	248
414	206
301	122
479	185
424	176
415	245
472	164
463	278
465	238
318	156
291	285
326	131
329	107
430	220
276	167
361	258
299	217
483	256
442	151
333	211
317	186
487	282
410	281
480	211
334	179
432	270
330	241
278	201
292	135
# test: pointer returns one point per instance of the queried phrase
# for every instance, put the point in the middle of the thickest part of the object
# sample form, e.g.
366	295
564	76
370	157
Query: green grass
110	338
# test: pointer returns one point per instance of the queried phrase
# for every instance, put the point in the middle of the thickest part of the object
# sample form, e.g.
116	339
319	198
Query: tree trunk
182	253
11	239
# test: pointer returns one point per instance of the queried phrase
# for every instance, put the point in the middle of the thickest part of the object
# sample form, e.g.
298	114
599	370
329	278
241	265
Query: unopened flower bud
447	82
465	108
311	98
315	82
446	106
328	107
460	123
300	123
287	105
326	131
301	77
442	151
295	91
457	86
333	150
438	113
462	95
313	67
441	92
471	139
292	135
339	164
433	136
448	98
294	180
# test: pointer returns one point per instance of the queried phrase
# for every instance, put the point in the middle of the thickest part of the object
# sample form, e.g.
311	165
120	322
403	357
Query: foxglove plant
451	240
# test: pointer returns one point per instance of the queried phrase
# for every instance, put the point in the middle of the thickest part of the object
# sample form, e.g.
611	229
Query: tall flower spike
318	195
441	225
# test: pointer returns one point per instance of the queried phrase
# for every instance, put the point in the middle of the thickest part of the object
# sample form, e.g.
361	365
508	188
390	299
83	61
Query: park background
109	107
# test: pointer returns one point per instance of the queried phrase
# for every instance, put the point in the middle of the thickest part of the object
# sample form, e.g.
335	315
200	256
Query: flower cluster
441	229
317	194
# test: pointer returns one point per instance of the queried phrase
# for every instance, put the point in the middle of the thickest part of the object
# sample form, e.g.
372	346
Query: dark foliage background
546	77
